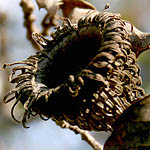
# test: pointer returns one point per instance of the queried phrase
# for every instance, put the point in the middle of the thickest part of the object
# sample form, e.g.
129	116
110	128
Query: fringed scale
87	75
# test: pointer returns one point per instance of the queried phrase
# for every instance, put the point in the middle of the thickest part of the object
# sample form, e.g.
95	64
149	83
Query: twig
29	19
140	40
84	134
3	52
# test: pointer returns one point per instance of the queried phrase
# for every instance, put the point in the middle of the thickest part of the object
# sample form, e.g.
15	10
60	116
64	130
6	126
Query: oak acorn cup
86	75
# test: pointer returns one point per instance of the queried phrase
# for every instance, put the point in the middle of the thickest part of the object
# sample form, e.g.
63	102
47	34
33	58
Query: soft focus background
15	47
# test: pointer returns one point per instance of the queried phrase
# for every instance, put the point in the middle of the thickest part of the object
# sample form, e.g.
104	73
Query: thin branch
29	19
4	51
84	135
140	40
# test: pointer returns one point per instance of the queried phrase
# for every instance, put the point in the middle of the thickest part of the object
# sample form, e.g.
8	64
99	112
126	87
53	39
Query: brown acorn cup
86	75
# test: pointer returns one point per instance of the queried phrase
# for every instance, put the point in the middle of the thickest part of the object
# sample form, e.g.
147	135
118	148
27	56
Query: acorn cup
86	75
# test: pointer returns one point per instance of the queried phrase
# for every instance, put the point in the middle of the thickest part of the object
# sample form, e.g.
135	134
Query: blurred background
15	47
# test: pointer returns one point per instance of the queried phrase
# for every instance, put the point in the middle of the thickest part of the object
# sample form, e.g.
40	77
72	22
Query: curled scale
86	75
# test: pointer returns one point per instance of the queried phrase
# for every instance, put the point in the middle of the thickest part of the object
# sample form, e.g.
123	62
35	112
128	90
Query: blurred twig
29	19
3	50
84	134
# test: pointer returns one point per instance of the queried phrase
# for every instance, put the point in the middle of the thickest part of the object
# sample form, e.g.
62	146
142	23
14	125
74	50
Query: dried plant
87	75
88	85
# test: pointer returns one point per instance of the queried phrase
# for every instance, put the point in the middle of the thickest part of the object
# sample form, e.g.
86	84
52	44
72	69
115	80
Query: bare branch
29	19
84	134
3	53
140	40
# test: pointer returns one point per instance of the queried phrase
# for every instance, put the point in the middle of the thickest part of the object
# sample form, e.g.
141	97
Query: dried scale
87	75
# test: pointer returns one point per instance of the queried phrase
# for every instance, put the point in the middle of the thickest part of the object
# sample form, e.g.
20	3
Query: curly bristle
87	75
